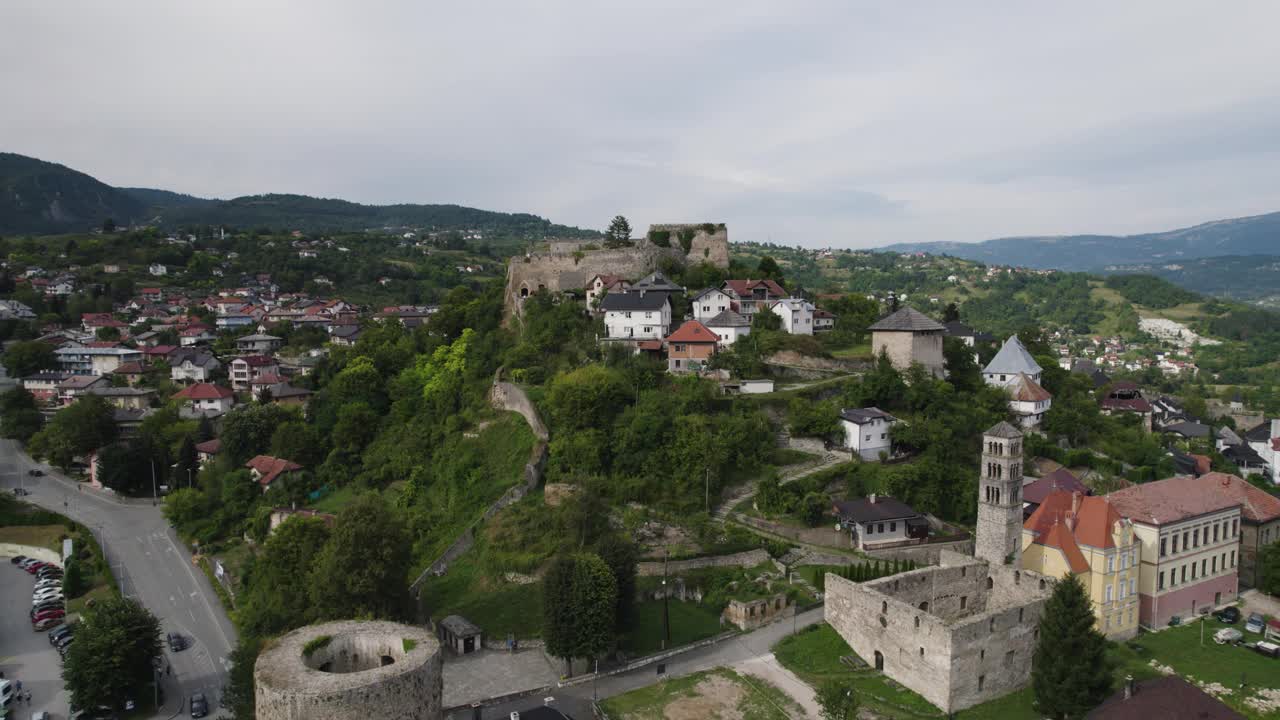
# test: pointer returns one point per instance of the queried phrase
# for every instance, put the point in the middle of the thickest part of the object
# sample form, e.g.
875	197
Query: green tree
110	661
814	507
362	571
28	357
765	320
579	601
588	397
277	599
77	579
84	426
838	700
1070	672
240	692
247	430
769	269
1268	573
619	232
621	555
19	418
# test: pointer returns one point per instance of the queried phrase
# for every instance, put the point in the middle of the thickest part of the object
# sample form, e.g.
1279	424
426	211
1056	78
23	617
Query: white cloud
813	122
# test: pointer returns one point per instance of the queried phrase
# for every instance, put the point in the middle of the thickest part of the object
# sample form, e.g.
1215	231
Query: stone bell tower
999	538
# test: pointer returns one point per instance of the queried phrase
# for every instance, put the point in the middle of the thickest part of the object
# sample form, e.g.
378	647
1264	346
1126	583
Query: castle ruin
568	264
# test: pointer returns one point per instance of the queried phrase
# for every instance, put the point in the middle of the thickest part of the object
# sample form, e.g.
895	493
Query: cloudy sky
818	123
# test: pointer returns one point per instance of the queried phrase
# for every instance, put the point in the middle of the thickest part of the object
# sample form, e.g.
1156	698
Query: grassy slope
760	701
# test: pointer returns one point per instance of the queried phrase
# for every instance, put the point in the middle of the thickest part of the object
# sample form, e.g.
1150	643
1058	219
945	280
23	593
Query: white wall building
730	326
637	314
710	303
866	431
796	314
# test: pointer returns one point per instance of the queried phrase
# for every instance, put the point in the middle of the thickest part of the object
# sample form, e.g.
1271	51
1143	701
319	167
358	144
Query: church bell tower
999	537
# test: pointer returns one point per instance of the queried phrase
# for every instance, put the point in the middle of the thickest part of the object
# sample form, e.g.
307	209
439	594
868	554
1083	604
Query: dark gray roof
1003	429
1242	455
1259	433
1187	429
955	328
1012	359
706	291
863	510
728	318
862	416
907	320
633	300
460	626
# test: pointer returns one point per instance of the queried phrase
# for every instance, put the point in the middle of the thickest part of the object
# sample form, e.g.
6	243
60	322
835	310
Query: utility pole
154	493
666	616
706	489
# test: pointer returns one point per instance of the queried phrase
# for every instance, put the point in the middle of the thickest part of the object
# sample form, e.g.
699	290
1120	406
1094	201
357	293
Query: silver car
1255	624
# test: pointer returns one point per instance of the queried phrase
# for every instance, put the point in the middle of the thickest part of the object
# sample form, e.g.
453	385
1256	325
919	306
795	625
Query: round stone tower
351	670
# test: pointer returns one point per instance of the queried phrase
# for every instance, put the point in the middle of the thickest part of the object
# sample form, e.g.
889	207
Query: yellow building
1086	537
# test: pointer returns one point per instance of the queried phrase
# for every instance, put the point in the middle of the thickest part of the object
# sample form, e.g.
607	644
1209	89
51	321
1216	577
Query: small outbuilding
460	635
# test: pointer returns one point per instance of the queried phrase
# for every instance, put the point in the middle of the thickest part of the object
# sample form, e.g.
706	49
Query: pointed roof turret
1003	429
1012	359
907	320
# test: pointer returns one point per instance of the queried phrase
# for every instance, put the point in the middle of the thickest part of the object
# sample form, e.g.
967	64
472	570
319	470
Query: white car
46	595
45	584
1227	635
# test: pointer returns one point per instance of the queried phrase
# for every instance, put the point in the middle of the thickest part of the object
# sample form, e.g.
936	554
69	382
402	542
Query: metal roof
1012	359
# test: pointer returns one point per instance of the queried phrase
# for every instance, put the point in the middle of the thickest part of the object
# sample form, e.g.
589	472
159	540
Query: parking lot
27	655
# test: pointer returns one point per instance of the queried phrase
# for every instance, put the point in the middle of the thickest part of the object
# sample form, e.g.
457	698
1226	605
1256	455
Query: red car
48	614
45	624
33	568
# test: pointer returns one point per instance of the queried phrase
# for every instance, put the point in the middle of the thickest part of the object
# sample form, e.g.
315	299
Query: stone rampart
562	271
351	670
750	558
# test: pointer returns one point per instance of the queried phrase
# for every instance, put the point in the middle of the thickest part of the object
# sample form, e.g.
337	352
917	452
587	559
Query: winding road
151	564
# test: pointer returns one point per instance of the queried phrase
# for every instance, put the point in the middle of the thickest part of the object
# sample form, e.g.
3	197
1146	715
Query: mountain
41	197
1251	278
44	197
1257	235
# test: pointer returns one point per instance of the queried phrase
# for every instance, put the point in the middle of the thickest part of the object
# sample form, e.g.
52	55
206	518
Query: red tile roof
130	368
1176	498
743	287
203	391
1060	479
269	468
1088	520
160	349
649	345
256	360
1024	389
209	447
693	332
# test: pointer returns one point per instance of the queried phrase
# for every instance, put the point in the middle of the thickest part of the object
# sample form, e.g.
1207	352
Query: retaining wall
11	550
750	558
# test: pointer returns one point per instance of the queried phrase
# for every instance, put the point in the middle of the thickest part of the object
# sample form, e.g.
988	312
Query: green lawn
814	656
42	536
719	694
496	606
813	573
690	622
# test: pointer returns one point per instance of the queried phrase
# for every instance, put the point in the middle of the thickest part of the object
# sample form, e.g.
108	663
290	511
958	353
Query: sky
843	123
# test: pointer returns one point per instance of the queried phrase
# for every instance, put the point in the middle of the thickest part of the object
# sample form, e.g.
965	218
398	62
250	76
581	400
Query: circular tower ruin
350	670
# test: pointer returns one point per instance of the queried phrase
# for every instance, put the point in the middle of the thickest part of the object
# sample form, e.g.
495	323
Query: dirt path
749	490
767	668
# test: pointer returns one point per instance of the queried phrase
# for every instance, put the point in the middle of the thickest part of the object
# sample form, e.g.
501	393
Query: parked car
199	706
17	559
1227	635
47	584
49	613
33	568
1269	649
41	715
60	633
20	492
1255	623
55	602
177	643
36	473
43	595
65	641
41	625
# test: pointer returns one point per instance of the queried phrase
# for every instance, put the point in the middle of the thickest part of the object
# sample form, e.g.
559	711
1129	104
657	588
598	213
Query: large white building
637	315
796	314
709	303
95	360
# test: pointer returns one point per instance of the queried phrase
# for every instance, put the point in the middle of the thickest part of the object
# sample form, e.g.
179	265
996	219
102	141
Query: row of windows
1204	568
871	527
1128	619
992	494
1127	560
1192	539
1125	588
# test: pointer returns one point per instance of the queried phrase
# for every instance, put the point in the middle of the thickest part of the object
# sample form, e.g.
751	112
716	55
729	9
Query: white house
192	365
158	270
866	431
730	326
203	399
1028	400
637	314
1019	374
796	314
600	285
709	303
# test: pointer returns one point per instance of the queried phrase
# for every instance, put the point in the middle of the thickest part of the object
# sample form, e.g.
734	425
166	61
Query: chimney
1075	502
872	498
1275	428
1129	687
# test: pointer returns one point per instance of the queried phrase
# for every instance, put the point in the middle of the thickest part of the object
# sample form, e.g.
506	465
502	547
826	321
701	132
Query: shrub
661	238
409	645
315	644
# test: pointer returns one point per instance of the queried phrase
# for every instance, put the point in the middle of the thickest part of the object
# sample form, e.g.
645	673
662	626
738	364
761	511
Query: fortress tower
999	538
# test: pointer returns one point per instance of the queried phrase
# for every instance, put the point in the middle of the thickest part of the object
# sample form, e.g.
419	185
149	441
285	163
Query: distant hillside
1251	278
40	197
43	197
1241	236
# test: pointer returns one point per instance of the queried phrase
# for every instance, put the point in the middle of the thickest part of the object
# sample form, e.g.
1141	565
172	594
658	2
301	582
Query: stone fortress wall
364	670
960	634
568	266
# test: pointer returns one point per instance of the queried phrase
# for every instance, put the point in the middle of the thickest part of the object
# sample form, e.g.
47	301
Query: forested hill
39	197
43	197
1255	235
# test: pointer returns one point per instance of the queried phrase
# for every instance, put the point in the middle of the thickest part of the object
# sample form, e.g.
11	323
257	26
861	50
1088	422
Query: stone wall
365	670
926	554
562	271
958	634
751	614
905	348
750	558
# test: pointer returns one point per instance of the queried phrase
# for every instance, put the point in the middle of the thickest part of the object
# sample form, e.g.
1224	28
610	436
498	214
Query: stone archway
879	658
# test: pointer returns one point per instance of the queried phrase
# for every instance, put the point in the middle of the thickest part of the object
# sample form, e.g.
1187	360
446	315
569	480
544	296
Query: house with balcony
637	315
750	296
205	400
796	315
244	370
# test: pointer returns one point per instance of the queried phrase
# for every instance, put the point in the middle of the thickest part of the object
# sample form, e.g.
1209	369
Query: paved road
150	564
575	700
